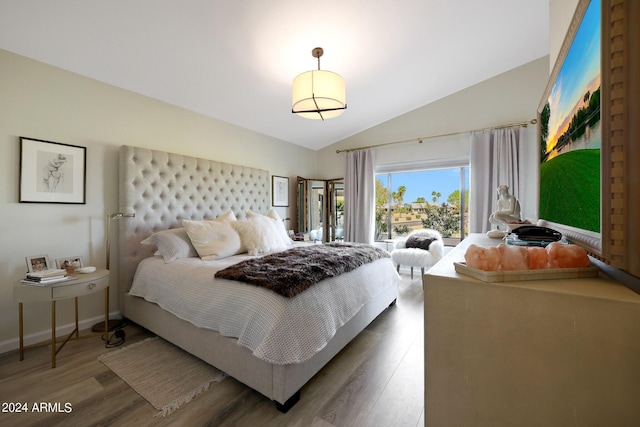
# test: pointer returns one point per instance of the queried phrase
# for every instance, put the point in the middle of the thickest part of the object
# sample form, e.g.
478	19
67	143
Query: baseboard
37	337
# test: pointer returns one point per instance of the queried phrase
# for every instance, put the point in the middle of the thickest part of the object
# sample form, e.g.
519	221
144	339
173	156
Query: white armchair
421	248
316	235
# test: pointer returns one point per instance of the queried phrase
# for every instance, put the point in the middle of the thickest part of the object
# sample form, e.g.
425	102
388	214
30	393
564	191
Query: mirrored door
320	208
336	209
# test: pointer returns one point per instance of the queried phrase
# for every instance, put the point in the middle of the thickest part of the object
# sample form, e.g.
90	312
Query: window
423	196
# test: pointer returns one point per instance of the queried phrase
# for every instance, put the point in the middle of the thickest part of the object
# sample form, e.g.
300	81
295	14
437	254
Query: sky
421	184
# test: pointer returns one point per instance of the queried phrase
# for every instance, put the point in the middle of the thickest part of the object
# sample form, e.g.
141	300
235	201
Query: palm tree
398	196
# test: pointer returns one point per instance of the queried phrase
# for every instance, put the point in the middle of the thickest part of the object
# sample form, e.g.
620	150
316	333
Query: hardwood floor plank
375	381
359	393
402	401
78	392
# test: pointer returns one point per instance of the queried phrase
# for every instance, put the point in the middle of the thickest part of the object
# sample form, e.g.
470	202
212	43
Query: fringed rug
162	373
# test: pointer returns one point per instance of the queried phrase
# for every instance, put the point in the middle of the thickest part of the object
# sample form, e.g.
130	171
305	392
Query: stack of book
48	277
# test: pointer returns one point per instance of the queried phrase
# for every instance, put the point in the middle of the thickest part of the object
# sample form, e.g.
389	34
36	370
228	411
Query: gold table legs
54	341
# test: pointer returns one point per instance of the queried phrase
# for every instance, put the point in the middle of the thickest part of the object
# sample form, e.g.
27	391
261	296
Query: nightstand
85	284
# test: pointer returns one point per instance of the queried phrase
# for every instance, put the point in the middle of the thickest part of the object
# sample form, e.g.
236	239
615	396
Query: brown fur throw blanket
294	270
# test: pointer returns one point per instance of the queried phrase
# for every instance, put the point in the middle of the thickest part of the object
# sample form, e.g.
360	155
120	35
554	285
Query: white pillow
281	228
283	236
227	216
259	234
213	239
172	244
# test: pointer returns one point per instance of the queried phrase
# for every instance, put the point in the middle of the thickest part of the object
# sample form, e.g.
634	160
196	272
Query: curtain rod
422	138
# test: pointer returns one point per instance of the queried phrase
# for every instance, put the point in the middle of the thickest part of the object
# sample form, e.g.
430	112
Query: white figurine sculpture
508	208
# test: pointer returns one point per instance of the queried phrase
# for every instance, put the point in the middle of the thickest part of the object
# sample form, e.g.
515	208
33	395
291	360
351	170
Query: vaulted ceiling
235	60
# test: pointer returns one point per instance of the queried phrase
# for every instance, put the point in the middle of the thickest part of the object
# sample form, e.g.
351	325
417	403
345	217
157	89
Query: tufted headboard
164	188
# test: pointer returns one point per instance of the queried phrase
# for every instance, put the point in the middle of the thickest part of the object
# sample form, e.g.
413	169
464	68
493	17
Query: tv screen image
570	134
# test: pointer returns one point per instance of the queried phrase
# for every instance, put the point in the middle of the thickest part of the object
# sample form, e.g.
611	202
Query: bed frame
164	188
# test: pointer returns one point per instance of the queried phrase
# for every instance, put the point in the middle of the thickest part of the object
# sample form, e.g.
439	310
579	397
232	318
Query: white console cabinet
529	353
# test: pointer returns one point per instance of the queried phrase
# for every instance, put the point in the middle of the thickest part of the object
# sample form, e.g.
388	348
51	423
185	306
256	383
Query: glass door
336	209
321	208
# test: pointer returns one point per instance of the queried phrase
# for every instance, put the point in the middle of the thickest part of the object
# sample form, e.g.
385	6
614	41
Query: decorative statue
508	208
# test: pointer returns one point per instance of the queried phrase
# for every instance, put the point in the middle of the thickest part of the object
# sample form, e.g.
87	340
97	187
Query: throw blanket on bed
292	271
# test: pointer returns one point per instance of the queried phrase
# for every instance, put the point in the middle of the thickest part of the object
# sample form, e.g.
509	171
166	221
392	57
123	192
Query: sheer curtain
359	197
495	159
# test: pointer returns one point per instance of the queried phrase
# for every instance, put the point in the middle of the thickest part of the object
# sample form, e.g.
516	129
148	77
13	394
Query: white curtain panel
495	159
359	197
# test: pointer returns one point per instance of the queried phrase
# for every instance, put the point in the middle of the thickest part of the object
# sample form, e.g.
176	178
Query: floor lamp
113	323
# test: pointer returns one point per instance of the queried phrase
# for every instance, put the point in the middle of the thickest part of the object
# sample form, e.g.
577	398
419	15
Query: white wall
510	97
43	102
560	15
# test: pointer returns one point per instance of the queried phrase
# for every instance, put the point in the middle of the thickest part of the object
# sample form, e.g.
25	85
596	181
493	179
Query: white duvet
276	329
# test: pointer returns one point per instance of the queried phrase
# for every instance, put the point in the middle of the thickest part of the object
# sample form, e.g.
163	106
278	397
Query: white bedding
276	329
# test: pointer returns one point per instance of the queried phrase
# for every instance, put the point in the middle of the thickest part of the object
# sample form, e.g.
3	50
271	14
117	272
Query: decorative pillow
280	225
172	244
419	242
227	216
259	234
283	236
213	239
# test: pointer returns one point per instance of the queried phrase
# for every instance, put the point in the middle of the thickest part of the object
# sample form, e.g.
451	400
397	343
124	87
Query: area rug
162	373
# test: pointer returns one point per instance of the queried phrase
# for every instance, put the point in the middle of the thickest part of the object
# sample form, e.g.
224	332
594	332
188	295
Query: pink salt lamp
566	256
538	258
486	259
513	257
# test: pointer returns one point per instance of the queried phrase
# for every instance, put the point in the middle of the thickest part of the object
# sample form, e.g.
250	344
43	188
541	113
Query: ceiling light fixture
318	94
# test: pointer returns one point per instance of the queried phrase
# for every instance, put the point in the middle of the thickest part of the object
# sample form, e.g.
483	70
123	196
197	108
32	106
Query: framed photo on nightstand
38	263
75	261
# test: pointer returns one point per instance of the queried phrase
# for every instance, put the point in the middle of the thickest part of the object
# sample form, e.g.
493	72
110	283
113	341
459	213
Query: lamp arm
111	216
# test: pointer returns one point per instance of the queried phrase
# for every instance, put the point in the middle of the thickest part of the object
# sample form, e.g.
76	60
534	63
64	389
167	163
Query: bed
163	189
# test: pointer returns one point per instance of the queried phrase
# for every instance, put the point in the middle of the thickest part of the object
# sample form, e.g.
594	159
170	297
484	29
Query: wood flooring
377	380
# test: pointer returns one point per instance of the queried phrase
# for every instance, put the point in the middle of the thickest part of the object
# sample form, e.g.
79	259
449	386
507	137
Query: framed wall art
280	191
51	172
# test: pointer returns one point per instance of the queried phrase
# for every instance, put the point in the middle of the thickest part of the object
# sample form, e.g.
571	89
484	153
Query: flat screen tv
570	135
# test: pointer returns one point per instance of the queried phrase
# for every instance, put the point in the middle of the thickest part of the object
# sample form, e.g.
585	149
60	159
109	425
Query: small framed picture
280	190
51	172
38	263
72	261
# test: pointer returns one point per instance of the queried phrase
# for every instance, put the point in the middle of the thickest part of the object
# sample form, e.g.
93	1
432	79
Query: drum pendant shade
318	94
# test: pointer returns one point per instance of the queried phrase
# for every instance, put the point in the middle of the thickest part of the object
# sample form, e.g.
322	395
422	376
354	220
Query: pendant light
318	94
